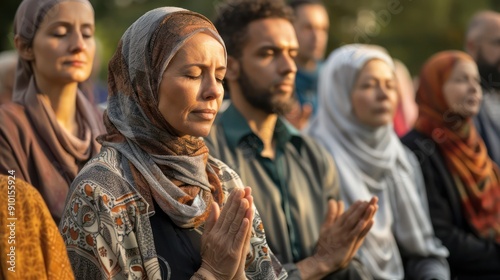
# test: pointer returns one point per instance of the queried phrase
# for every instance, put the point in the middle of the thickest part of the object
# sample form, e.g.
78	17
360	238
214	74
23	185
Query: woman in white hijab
357	100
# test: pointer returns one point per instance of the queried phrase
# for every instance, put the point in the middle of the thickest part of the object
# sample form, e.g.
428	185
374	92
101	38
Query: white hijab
372	161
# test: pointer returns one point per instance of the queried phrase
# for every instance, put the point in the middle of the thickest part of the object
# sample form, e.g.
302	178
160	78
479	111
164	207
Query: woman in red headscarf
462	181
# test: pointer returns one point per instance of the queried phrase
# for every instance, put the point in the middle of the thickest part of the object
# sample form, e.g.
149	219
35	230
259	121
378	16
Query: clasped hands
341	235
226	239
225	242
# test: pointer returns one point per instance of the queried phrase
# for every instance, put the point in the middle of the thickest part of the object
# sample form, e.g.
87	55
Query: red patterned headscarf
476	176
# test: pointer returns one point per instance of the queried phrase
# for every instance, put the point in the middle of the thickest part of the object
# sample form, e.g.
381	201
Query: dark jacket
471	257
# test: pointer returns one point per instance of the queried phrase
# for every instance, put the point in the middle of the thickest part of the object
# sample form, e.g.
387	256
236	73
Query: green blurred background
411	30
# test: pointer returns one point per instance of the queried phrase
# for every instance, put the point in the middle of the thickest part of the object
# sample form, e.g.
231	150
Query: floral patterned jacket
107	231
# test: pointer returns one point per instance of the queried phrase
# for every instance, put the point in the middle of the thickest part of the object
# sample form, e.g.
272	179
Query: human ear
233	69
471	48
25	51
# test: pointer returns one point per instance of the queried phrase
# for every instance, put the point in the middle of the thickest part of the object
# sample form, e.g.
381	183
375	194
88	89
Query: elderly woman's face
191	89
374	96
462	91
64	46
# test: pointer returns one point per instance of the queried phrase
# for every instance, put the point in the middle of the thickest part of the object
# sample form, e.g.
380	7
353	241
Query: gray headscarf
372	161
174	169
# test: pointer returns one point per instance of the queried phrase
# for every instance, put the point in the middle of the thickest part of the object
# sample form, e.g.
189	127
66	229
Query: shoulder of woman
103	174
27	197
413	138
410	156
101	192
228	177
108	159
422	146
16	133
13	116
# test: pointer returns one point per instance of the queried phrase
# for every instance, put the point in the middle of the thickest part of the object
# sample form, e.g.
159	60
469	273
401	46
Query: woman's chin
200	132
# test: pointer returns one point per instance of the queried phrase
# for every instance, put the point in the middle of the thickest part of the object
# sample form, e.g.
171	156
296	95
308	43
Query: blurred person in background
48	132
311	24
8	64
358	95
462	181
94	88
483	44
406	108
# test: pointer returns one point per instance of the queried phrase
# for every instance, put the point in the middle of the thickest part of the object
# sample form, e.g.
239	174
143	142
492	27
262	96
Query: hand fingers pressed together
235	212
212	217
226	239
350	217
371	209
367	222
248	196
331	214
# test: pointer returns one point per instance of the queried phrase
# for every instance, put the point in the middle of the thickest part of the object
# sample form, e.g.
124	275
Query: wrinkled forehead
152	41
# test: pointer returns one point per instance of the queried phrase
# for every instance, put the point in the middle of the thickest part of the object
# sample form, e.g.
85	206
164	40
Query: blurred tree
495	5
411	30
7	11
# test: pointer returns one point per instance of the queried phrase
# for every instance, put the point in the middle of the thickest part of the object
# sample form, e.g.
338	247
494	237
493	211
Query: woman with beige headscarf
148	205
48	133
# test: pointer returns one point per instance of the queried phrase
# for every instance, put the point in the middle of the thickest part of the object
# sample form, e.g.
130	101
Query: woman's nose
213	90
382	92
77	42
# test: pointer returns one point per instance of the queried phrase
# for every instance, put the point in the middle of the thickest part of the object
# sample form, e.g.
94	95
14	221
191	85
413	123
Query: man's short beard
262	99
490	73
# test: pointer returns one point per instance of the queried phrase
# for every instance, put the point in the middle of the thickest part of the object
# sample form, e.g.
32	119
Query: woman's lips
206	114
382	110
75	63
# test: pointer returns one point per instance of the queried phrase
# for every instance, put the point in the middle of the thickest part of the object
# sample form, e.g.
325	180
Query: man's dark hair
294	4
234	16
